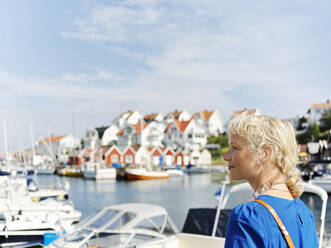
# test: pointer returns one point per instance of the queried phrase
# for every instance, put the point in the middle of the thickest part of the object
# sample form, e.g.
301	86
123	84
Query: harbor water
177	195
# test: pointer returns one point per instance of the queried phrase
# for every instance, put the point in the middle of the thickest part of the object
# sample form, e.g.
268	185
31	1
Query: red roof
120	132
321	105
51	139
245	110
138	126
182	125
135	147
167	127
156	152
206	114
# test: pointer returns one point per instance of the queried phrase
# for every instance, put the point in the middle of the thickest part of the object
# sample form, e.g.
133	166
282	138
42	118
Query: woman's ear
266	153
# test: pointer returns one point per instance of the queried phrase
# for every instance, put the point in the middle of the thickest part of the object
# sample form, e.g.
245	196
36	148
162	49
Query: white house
141	155
110	135
205	157
158	117
246	111
145	134
91	139
316	111
58	147
129	117
211	121
176	115
184	134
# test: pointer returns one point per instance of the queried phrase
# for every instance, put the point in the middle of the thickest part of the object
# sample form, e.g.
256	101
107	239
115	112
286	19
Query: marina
177	195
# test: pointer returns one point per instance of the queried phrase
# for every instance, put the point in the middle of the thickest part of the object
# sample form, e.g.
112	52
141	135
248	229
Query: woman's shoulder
248	212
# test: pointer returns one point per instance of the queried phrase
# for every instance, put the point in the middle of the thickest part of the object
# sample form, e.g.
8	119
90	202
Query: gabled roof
182	125
120	132
320	105
139	126
167	127
207	114
136	147
150	117
51	139
245	111
129	114
101	131
175	114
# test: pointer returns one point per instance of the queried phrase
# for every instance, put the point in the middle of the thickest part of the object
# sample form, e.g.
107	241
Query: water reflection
177	195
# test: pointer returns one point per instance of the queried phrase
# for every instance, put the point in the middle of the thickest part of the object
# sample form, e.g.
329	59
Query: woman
263	151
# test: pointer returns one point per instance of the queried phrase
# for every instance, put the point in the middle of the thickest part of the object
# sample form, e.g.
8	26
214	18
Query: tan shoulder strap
281	226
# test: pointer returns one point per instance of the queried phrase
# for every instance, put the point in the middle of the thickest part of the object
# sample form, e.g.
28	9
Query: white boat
126	225
197	169
175	173
174	170
144	174
23	230
45	169
70	171
15	199
94	170
317	172
323	182
26	216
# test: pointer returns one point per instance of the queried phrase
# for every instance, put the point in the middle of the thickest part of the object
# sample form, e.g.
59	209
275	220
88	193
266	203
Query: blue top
252	225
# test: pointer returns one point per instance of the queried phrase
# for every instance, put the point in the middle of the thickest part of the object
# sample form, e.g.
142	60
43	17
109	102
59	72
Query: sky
66	66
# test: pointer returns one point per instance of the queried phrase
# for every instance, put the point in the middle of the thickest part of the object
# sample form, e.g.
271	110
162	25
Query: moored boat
124	225
144	174
95	170
70	171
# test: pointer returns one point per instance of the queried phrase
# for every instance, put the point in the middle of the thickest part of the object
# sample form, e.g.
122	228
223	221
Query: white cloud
194	55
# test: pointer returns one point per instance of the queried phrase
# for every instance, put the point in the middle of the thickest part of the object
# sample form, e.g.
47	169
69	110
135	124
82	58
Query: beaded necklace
266	187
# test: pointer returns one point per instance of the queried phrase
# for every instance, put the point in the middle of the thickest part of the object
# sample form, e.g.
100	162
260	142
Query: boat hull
100	174
142	174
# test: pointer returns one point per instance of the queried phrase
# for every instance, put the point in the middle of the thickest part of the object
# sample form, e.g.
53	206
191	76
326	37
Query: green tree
300	126
315	131
222	141
312	134
303	138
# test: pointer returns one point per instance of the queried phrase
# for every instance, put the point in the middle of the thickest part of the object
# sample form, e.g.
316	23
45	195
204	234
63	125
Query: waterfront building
184	134
316	111
128	117
176	115
246	111
145	134
113	155
158	117
57	148
211	121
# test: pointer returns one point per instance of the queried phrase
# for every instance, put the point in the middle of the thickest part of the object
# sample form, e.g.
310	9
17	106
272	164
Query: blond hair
262	130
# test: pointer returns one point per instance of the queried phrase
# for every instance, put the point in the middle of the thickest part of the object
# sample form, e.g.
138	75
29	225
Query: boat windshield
71	238
158	224
124	219
103	219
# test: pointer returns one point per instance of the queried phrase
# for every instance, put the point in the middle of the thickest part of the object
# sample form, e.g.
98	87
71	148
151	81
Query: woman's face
242	160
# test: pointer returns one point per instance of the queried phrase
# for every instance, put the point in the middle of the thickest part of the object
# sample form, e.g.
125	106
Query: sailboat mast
5	137
32	143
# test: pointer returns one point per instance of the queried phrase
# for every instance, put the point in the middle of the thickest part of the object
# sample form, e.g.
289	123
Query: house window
180	136
128	159
189	135
114	158
169	137
173	129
